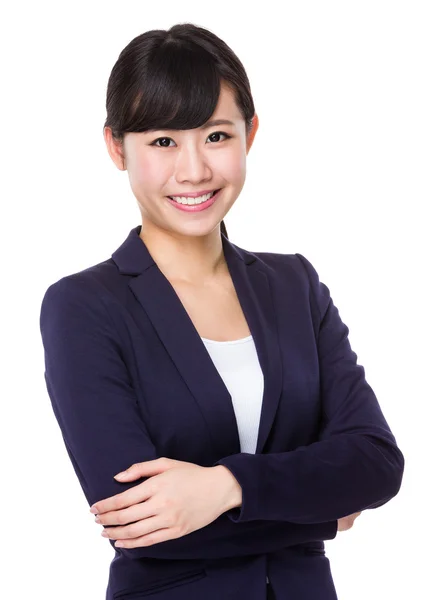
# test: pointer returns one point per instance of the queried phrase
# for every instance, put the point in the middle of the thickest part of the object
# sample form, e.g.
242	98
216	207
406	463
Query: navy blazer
130	380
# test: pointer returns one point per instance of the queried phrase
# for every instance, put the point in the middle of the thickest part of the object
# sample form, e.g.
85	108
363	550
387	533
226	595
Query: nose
192	165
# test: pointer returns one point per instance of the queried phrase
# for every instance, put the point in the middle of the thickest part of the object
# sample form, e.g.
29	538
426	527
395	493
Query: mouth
196	207
212	194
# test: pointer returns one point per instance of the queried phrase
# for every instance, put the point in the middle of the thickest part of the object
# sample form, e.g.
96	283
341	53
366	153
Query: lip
193	194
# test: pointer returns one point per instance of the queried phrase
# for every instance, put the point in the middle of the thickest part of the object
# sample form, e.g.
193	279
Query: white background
340	171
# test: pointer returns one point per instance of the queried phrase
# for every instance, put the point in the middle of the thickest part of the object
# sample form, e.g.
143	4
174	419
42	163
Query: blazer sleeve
104	431
354	465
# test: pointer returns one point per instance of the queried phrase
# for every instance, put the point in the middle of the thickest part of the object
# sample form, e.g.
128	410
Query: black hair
171	79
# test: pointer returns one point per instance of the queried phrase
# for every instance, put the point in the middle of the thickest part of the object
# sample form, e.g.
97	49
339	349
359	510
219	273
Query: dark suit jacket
130	380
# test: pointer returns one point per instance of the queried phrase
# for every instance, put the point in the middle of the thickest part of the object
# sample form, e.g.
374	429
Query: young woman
221	380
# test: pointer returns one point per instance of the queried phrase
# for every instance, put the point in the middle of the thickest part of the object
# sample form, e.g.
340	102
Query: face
171	163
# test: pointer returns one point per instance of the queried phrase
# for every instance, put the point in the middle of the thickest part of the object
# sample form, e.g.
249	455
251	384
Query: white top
238	365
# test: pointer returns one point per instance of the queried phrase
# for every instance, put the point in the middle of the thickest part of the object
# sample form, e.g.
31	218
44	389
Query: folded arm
104	431
354	465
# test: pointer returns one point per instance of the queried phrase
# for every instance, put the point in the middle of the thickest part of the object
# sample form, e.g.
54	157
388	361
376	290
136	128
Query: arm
104	432
354	465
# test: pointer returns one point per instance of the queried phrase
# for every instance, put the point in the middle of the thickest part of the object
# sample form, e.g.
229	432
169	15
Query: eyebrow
216	122
205	126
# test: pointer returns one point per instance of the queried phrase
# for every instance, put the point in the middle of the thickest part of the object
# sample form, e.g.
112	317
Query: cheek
149	173
232	167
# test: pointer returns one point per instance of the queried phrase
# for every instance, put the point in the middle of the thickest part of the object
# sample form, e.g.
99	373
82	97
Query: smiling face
171	163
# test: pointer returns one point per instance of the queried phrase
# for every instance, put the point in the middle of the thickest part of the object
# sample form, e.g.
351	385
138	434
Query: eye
220	133
167	138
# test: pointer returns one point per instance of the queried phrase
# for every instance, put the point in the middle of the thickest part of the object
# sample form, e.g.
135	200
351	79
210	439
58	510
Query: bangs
179	89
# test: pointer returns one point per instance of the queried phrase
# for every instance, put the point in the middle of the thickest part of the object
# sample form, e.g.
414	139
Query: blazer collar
183	342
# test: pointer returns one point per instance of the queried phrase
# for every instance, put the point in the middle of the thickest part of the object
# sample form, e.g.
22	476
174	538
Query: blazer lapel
183	343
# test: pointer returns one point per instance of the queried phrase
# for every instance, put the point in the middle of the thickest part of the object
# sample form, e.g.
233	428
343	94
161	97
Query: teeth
198	200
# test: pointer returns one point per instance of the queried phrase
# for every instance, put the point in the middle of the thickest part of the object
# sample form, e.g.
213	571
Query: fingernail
122	474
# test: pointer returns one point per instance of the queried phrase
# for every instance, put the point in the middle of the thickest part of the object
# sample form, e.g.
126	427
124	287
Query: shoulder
288	265
297	271
99	276
85	292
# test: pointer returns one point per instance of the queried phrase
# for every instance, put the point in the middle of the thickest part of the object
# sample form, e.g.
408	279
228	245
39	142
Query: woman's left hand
178	498
347	522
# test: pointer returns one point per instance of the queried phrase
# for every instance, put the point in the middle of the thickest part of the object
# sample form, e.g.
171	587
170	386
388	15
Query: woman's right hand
347	522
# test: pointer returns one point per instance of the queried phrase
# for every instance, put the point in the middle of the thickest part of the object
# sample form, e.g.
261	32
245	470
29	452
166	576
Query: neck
186	259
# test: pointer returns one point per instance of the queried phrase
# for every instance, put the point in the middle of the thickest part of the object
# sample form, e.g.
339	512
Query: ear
115	149
250	139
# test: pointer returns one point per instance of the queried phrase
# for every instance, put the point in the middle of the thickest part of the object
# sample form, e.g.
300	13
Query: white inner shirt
238	365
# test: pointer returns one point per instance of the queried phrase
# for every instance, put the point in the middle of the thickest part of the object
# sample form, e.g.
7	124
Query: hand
177	498
347	522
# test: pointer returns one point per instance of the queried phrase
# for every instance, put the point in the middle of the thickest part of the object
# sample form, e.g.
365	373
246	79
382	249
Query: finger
135	495
136	512
147	468
135	530
132	496
133	472
161	535
130	474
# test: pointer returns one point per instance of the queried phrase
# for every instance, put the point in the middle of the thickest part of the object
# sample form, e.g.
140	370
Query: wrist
232	492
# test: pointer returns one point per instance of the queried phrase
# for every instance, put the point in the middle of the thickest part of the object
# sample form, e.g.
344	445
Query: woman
221	379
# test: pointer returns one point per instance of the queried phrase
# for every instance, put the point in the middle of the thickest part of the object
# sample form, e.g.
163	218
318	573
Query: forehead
226	106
